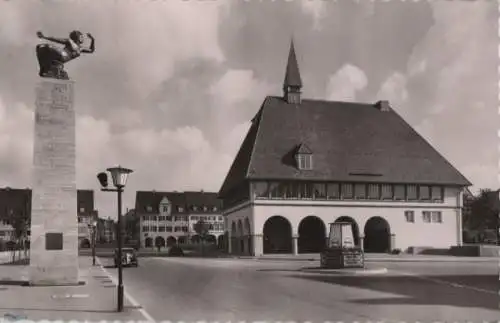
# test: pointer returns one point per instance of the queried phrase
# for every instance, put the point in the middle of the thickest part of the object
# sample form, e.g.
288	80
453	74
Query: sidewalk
94	301
377	258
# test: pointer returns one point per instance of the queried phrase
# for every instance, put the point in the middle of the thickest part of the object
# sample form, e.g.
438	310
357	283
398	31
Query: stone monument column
54	222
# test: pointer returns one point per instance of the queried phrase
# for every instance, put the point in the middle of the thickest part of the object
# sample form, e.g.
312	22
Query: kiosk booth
341	251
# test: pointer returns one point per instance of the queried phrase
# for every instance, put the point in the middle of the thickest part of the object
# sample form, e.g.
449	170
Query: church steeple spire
293	82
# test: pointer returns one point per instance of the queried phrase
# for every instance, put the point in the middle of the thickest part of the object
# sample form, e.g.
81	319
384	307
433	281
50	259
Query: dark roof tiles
345	138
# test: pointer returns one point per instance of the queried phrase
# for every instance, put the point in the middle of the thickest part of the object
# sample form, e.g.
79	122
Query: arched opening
277	235
171	241
221	240
248	233
234	238
312	235
377	235
181	240
211	239
195	239
354	225
85	243
241	242
148	243
159	242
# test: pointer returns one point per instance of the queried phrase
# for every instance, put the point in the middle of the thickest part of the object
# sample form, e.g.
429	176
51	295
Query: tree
485	208
202	228
20	224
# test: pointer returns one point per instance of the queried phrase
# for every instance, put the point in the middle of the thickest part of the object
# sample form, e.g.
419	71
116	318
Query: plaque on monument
53	241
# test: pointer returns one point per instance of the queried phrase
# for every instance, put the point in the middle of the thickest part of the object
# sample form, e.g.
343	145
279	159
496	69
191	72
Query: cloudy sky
172	85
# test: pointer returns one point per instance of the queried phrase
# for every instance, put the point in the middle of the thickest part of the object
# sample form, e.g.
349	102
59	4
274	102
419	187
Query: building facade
307	163
169	218
86	215
106	230
17	203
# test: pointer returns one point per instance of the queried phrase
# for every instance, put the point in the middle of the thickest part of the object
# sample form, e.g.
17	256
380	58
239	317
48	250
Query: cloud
344	85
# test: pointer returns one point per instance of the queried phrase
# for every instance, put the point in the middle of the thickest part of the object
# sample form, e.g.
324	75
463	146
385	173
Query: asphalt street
191	289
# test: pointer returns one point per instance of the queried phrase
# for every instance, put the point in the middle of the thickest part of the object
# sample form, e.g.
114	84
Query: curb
357	272
472	259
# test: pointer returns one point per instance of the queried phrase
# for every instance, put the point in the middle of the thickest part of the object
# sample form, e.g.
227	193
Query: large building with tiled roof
17	202
306	163
168	218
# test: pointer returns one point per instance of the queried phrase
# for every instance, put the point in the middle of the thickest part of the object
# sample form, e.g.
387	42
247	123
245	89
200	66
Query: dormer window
180	209
303	156
195	208
149	208
205	209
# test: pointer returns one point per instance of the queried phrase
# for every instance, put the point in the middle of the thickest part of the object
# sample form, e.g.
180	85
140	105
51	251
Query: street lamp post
94	233
119	176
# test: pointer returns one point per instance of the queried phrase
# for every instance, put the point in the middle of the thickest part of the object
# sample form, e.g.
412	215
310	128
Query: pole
119	238
93	244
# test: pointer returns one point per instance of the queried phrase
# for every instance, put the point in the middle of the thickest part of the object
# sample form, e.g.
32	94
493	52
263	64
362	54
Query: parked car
175	251
129	257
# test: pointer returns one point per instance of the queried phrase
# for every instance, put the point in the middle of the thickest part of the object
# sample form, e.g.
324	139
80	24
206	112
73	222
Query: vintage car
129	257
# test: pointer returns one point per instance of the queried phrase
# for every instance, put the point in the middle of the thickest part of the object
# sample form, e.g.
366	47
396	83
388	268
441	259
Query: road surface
191	289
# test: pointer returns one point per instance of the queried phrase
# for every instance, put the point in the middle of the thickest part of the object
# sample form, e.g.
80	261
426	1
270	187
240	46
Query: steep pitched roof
183	199
292	76
350	142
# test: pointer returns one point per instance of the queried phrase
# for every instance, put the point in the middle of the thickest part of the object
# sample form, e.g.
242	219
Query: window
169	229
333	191
374	191
304	161
205	209
360	191
154	217
185	229
426	216
145	229
306	190
319	190
436	217
144	217
154	229
215	209
347	191
194	217
210	227
424	192
161	218
177	218
437	193
292	190
149	208
387	192
177	229
180	209
82	210
221	218
79	220
399	192
412	192
277	190
260	189
195	208
161	229
410	216
165	208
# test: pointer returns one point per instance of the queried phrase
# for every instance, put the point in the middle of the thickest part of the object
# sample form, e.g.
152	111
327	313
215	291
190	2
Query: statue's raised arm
52	58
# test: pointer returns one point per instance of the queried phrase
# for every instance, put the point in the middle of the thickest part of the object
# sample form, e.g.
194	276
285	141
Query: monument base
337	258
54	220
